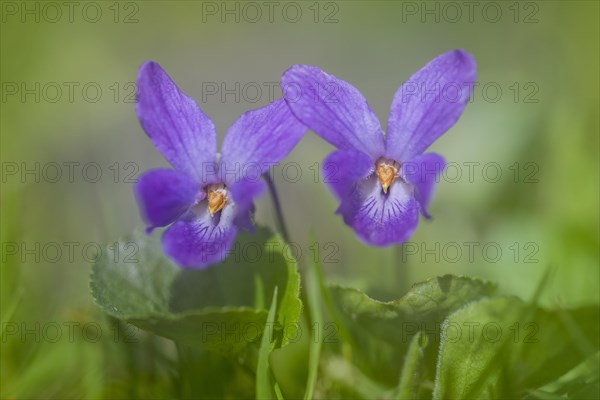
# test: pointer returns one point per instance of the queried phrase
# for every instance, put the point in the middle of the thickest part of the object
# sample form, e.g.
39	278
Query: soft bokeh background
543	125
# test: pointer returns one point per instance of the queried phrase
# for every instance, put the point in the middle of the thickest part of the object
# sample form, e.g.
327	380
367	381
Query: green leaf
582	382
425	304
11	231
218	308
264	385
342	373
504	347
382	331
314	299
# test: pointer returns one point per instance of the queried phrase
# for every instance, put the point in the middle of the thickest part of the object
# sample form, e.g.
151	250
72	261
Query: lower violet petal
200	239
381	219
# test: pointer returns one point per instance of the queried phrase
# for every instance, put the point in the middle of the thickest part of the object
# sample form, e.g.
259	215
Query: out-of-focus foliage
220	308
543	212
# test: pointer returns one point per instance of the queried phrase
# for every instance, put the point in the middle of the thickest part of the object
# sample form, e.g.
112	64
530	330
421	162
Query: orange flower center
216	195
387	171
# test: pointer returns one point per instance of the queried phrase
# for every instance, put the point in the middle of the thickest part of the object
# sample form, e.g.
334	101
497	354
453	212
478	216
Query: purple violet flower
204	200
383	183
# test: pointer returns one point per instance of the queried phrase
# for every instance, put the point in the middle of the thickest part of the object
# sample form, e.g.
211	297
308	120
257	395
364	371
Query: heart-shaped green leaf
382	331
426	304
504	347
221	307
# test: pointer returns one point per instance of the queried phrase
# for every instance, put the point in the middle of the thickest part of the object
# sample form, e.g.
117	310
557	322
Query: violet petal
201	239
334	109
179	129
163	195
429	103
381	219
343	168
257	140
422	172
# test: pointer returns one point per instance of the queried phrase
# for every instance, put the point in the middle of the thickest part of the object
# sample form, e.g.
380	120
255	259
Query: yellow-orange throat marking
387	172
217	198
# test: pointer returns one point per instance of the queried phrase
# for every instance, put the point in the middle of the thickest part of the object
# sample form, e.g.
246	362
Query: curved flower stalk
204	200
383	183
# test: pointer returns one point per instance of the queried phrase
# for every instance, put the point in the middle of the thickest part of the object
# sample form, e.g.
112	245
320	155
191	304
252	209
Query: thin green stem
277	205
285	235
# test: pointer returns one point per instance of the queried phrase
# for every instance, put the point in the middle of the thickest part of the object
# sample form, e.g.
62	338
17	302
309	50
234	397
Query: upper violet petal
201	239
429	103
179	129
343	168
422	172
334	109
163	195
257	140
381	219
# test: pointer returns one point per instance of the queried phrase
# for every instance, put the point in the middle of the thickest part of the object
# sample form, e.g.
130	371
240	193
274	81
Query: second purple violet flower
382	182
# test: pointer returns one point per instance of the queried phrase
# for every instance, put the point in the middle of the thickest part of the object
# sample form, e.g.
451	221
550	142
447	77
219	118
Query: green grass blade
408	388
264	386
313	289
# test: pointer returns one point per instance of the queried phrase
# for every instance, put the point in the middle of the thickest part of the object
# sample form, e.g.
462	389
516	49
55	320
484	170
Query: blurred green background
534	118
